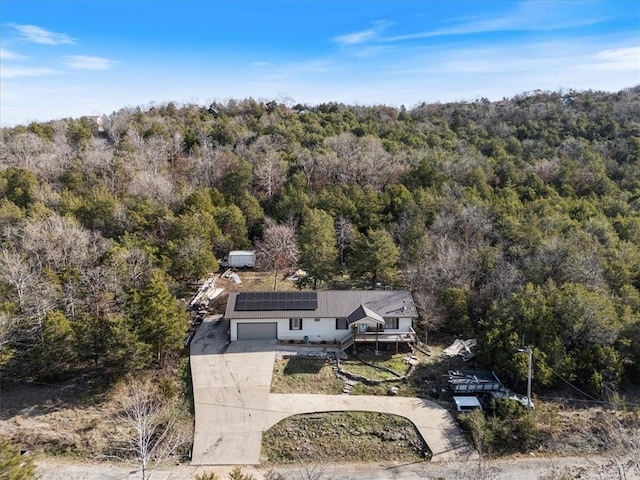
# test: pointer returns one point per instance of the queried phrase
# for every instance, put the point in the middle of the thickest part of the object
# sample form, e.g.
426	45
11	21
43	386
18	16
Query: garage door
255	331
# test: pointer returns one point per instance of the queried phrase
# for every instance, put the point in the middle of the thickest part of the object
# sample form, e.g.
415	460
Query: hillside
513	222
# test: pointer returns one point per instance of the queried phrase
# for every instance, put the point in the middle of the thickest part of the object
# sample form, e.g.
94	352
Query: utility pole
528	350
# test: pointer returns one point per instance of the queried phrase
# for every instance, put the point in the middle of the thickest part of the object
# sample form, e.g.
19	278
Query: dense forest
516	222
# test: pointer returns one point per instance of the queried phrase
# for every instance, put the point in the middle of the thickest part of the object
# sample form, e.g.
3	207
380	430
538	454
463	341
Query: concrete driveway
434	423
233	405
230	390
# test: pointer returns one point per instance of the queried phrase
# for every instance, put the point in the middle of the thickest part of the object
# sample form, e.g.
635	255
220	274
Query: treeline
513	221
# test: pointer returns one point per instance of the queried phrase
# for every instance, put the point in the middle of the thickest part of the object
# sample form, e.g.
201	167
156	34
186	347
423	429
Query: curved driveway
233	405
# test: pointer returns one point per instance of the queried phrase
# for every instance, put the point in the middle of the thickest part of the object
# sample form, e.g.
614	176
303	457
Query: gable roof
331	304
363	313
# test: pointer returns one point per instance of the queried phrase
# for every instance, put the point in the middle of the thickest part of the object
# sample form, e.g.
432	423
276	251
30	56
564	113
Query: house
341	317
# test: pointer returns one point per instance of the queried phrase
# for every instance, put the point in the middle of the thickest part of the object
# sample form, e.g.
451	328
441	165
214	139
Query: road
529	468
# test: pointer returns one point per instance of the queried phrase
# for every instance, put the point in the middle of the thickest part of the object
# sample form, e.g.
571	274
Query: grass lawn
315	375
305	375
342	436
394	362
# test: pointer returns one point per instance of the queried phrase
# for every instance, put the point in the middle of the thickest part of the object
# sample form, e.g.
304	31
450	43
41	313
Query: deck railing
407	336
402	337
347	341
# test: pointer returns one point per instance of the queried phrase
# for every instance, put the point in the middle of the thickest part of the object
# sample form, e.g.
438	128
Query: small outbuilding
467	404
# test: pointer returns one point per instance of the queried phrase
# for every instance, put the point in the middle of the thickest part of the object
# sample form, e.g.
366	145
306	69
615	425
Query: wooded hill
512	221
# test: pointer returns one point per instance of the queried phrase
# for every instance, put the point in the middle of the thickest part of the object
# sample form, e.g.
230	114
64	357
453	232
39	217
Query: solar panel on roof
270	301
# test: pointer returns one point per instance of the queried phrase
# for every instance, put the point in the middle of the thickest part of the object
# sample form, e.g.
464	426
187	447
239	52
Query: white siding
324	329
404	324
317	331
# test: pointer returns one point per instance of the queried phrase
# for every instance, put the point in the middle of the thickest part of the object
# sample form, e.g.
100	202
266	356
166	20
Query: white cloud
526	16
356	38
15	72
627	59
84	62
7	55
35	34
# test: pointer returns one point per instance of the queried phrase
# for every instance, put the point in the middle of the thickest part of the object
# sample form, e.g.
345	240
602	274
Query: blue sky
71	58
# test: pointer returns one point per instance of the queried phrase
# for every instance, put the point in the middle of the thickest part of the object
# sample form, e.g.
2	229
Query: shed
466	404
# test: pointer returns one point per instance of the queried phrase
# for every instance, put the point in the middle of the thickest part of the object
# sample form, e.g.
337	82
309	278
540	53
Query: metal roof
362	313
337	304
465	403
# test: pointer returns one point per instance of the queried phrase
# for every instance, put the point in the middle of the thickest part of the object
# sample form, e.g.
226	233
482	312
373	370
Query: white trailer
239	259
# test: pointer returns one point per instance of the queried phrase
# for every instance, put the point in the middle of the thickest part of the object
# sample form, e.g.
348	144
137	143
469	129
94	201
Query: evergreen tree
158	317
318	251
14	466
375	255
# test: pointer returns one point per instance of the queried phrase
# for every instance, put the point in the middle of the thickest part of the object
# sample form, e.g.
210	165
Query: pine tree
158	317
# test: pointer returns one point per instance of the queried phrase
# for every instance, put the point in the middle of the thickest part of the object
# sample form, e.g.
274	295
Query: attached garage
257	331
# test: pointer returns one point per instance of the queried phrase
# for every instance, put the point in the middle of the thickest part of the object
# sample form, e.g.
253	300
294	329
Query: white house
333	316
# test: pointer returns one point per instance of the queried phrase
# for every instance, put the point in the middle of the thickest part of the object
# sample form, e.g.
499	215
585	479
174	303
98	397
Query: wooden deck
380	337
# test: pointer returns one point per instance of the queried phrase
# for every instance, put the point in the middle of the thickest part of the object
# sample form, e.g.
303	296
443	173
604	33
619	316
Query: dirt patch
253	280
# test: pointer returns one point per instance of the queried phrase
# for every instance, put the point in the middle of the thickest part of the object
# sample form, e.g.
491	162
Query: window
341	323
295	324
391	323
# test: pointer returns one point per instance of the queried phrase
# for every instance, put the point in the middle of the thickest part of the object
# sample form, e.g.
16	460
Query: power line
591	399
601	402
572	385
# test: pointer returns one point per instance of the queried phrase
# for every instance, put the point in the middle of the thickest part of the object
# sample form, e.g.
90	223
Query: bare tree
132	264
344	235
363	161
59	242
619	433
33	297
278	249
158	188
22	149
16	271
148	427
270	174
11	327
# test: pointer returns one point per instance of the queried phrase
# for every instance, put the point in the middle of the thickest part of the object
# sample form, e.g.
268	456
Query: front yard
343	436
318	375
305	375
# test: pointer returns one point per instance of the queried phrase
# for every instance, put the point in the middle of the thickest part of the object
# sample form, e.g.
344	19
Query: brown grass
72	419
335	437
